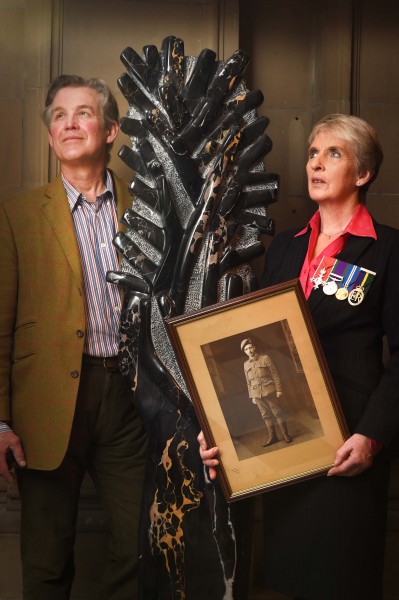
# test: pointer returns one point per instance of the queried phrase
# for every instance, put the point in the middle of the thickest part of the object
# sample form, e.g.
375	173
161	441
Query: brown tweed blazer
41	315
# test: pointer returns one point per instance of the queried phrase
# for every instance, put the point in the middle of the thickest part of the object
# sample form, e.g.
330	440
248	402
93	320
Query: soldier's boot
272	439
284	431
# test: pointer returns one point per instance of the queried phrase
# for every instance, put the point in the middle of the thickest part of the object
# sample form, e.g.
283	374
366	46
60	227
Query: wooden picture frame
208	346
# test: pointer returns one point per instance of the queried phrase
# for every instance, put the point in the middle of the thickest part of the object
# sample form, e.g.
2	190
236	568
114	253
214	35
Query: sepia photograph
261	388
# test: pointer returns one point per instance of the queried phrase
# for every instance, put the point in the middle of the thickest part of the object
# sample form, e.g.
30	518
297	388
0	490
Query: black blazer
352	336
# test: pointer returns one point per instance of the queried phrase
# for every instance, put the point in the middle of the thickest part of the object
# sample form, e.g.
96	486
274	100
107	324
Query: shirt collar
361	224
75	197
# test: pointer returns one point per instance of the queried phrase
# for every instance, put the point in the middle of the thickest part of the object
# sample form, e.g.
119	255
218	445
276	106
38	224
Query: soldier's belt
257	384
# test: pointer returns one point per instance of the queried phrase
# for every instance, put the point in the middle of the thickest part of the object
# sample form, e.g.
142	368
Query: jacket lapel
354	248
292	261
56	209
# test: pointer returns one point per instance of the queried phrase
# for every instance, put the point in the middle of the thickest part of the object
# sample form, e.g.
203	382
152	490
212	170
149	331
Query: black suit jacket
352	336
324	538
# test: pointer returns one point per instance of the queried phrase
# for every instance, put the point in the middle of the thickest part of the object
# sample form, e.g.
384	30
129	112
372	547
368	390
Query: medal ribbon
323	271
350	276
367	280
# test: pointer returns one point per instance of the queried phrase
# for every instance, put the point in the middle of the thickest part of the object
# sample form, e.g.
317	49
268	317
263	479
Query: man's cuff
4	427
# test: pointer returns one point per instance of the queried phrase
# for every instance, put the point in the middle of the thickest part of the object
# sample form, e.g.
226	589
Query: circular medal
341	293
330	288
356	296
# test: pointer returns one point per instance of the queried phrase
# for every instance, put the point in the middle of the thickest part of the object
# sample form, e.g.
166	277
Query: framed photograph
261	388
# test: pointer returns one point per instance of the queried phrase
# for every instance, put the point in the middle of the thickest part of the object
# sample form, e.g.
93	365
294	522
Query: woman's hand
208	456
354	457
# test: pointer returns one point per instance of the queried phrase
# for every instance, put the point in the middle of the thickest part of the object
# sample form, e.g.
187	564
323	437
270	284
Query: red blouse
361	224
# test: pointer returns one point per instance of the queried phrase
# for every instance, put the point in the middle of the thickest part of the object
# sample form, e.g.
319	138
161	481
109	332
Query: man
64	406
264	389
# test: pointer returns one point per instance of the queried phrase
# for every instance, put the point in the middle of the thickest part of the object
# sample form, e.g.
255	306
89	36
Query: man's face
250	351
77	133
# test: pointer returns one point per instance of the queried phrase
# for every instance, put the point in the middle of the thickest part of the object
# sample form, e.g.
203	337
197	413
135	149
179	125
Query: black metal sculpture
200	196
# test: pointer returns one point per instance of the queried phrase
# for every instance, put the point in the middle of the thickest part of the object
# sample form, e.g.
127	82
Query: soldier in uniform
264	389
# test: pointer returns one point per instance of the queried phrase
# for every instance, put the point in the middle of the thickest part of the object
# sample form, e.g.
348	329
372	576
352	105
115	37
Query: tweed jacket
352	336
42	319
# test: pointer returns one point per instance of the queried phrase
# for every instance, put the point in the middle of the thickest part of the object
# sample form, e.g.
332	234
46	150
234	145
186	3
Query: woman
324	538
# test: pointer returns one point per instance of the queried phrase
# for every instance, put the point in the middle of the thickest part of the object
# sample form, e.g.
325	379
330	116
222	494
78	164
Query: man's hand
208	456
10	448
253	400
354	457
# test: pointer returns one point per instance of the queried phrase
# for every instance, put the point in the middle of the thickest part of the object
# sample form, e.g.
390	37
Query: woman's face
332	170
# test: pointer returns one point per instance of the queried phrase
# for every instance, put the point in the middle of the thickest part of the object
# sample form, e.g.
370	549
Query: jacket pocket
24	339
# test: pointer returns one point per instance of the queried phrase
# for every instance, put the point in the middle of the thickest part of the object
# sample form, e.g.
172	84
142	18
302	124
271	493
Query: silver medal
330	288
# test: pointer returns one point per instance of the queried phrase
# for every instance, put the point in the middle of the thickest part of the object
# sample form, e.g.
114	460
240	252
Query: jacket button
75	374
80	333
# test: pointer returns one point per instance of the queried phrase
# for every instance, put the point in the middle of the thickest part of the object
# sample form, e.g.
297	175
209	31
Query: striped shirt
96	224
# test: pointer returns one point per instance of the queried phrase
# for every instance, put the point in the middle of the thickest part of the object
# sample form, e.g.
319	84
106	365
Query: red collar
361	224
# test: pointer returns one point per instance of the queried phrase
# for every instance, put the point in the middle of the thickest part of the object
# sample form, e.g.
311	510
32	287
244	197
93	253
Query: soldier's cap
245	343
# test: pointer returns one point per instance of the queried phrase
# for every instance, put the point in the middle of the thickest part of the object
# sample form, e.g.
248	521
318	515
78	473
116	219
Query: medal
319	279
342	293
330	288
356	296
331	284
322	272
342	280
